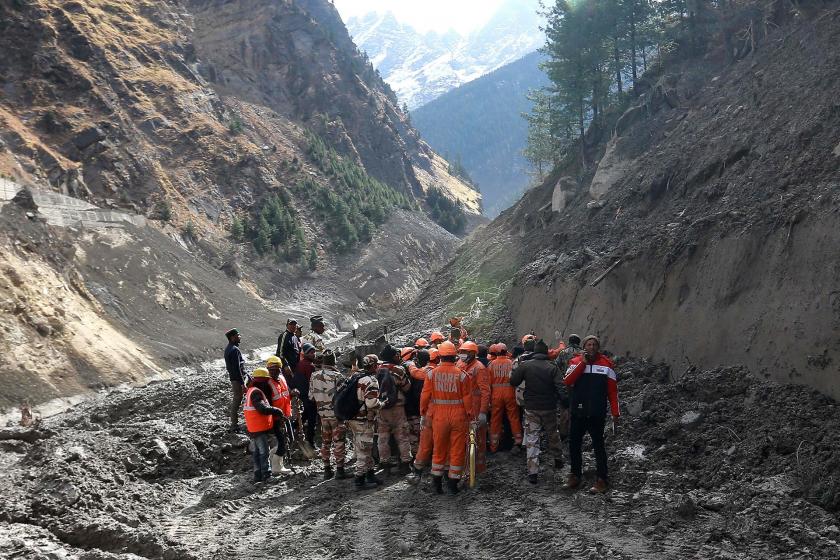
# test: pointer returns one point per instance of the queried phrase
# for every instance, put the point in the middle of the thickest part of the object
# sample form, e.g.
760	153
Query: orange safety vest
280	396
254	421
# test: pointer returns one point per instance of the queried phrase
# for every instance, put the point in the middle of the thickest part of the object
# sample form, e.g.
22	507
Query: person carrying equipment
503	399
322	388
281	398
394	383
592	377
480	385
357	401
448	390
543	384
259	421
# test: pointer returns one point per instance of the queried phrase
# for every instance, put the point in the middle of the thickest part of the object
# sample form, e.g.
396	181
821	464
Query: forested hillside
481	126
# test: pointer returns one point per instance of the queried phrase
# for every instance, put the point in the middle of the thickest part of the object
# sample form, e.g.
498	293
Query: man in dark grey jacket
543	388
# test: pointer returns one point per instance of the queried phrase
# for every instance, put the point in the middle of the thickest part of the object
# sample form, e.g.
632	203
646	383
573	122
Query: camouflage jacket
322	387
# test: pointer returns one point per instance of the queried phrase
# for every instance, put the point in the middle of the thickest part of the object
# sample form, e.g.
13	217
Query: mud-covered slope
190	114
203	104
705	230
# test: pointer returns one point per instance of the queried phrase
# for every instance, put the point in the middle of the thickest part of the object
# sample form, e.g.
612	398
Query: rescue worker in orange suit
421	437
421	344
503	399
592	377
259	421
436	338
480	385
281	398
448	390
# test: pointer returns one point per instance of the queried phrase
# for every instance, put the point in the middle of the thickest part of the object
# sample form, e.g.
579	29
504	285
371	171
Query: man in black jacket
235	365
288	346
543	388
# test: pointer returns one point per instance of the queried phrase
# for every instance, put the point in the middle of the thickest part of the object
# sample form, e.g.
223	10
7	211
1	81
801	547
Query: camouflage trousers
536	420
393	421
333	433
414	433
362	444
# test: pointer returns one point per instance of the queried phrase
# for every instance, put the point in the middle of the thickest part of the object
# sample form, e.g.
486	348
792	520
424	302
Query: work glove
482	419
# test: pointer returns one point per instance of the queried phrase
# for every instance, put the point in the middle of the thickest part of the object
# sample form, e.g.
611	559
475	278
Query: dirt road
151	473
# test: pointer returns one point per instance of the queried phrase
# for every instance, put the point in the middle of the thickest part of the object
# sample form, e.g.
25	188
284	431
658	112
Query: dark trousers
594	426
280	434
259	454
310	418
237	391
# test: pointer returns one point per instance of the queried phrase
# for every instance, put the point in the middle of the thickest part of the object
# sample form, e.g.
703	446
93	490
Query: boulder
87	137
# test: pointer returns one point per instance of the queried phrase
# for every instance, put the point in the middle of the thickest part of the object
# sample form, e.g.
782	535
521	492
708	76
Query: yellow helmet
274	361
261	372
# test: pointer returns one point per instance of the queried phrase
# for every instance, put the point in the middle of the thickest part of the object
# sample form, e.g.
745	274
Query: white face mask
464	357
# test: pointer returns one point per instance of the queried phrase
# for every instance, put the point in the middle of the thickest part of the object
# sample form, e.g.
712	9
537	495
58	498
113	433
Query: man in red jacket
592	377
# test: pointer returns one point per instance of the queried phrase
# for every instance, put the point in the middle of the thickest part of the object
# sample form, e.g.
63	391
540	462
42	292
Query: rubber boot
437	484
405	468
340	474
452	485
328	472
278	464
386	469
532	478
359	482
371	479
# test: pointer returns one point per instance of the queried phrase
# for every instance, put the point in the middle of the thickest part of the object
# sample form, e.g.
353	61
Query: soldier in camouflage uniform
316	336
362	426
322	388
392	419
544	384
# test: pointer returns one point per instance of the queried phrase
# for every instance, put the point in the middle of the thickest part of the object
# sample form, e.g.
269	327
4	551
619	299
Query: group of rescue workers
428	399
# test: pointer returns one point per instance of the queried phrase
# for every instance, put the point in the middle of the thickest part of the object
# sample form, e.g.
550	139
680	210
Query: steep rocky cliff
704	229
199	116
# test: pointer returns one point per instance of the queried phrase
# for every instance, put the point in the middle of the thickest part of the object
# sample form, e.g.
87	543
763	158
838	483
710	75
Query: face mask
464	357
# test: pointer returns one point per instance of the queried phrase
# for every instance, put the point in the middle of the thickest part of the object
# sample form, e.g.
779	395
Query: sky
426	15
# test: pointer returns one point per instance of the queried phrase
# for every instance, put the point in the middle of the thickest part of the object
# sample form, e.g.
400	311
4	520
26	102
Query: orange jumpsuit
503	401
447	388
480	389
424	448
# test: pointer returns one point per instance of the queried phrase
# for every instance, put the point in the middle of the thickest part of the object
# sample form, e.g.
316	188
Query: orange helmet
406	353
469	346
433	355
492	349
528	337
501	349
447	349
421	343
437	336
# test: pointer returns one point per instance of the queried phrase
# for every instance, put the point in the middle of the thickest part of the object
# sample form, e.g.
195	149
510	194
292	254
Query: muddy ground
715	465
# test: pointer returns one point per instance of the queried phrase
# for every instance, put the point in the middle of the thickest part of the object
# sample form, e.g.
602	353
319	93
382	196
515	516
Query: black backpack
387	387
345	401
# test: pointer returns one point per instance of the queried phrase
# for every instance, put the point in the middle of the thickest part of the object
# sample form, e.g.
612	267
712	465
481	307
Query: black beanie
541	347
